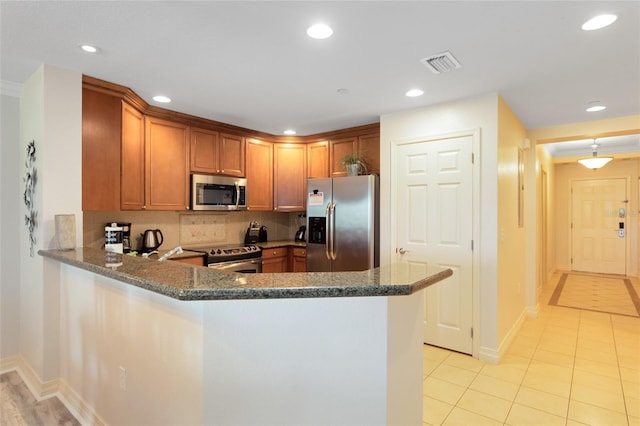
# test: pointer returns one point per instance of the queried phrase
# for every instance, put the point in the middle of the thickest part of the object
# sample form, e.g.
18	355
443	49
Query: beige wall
512	249
546	254
11	169
51	115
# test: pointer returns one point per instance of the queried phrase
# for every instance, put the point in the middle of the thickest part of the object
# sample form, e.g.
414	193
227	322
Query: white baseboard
78	406
40	390
495	355
9	364
56	387
533	311
489	355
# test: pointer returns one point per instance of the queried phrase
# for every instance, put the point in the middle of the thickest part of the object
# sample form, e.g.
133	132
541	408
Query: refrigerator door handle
327	243
332	247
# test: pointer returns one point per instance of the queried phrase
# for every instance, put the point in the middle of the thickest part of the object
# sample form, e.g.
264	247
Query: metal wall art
30	180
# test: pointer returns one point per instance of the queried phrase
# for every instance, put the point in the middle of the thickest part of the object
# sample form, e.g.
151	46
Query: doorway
598	234
434	186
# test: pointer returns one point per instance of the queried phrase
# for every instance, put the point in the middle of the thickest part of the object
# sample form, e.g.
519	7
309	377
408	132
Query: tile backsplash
190	229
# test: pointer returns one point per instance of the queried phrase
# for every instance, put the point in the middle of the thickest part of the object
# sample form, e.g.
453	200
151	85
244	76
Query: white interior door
596	243
435	225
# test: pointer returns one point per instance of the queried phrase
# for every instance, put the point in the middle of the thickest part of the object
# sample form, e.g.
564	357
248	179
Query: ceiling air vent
442	62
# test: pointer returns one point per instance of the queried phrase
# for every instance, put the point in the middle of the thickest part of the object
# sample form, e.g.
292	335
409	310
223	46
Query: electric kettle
151	240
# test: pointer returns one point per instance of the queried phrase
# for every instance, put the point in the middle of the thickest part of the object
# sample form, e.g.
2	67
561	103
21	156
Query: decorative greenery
356	159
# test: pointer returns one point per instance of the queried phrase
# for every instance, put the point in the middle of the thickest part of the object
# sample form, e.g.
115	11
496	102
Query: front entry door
596	216
434	219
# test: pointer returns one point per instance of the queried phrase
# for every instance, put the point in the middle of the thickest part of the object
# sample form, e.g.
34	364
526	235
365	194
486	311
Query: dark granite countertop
187	282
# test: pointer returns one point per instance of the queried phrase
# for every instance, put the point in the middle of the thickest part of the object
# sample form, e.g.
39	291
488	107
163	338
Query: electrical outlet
123	378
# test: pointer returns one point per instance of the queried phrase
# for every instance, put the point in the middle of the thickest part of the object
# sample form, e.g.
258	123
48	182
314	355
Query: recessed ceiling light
162	99
319	31
414	93
595	106
88	48
289	132
598	22
343	91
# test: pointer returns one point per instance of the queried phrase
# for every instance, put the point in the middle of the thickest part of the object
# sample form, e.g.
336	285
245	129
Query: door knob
402	251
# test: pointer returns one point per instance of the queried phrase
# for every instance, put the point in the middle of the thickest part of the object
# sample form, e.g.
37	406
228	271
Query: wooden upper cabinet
369	149
132	188
338	148
215	153
259	175
289	177
204	151
166	165
318	159
232	155
100	151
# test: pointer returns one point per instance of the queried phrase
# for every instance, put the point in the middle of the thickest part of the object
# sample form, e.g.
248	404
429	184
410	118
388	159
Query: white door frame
476	265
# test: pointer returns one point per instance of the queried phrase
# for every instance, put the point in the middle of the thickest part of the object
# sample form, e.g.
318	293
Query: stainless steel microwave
218	193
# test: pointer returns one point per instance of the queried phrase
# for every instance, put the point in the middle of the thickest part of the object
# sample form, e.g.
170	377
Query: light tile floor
567	367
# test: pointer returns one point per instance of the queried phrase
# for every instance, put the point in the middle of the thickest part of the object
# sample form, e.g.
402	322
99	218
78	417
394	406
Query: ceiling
582	148
251	64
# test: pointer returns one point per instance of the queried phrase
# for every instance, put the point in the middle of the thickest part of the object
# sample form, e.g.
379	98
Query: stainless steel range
242	259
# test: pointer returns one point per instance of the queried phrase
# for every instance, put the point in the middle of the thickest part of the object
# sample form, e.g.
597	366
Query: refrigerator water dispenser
317	230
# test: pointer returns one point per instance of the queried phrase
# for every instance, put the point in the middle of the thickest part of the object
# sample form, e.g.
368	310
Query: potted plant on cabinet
355	164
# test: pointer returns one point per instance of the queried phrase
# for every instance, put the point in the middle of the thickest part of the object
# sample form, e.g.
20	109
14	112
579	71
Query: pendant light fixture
594	162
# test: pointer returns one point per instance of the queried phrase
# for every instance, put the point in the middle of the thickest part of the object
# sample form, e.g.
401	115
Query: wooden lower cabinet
298	259
275	260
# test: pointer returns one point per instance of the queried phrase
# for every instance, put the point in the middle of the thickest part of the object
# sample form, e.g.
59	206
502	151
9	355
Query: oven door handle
231	266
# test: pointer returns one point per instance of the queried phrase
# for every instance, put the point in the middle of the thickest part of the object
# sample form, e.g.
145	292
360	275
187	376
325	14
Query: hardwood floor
18	406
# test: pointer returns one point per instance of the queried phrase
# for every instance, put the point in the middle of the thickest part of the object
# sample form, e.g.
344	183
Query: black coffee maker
126	236
300	233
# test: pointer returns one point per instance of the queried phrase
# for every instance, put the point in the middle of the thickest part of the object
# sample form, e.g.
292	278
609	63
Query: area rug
610	295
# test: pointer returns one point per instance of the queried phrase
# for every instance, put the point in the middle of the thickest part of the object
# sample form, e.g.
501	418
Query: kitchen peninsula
297	348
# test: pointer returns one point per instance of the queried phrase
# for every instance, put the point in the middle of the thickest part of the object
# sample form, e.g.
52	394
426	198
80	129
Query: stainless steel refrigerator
343	224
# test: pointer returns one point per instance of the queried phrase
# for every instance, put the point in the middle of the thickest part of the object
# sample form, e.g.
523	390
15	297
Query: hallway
567	367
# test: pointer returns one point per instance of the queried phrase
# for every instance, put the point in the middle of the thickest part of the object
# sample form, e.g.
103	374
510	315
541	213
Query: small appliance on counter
126	236
300	234
252	235
151	240
113	238
262	234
